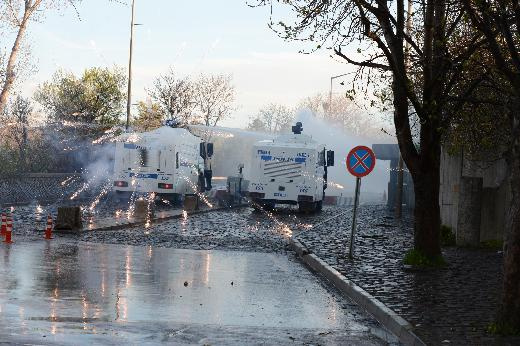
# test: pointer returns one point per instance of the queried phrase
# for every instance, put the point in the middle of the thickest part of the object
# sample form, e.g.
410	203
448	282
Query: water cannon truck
169	161
289	169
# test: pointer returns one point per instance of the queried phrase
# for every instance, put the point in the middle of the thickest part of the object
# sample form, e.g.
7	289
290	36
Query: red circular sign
361	161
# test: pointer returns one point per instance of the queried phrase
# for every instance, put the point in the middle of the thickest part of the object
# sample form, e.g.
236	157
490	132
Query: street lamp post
330	92
129	96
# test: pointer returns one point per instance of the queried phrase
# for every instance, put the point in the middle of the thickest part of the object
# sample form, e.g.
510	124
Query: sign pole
354	218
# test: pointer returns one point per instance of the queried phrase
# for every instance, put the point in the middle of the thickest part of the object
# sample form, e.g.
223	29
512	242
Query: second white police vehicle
290	169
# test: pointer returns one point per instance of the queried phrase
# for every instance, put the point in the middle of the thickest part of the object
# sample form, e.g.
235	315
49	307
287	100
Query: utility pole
399	194
129	96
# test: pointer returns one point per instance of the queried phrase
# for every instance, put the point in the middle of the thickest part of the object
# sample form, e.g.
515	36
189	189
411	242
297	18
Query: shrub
447	236
418	259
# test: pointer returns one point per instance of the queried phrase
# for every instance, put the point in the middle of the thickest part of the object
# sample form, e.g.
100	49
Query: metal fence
41	187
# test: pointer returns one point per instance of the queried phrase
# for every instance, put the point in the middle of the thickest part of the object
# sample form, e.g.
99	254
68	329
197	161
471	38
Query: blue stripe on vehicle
144	176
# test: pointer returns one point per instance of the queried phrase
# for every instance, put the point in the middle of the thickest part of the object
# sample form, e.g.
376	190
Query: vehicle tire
122	196
269	206
307	207
260	206
172	198
319	206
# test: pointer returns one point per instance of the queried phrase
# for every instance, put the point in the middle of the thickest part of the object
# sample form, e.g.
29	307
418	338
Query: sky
193	37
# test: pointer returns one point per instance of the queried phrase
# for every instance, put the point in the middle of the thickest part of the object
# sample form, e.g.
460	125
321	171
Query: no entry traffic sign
361	161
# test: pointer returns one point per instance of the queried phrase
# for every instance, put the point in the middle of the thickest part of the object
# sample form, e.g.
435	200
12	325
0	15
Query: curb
387	317
142	222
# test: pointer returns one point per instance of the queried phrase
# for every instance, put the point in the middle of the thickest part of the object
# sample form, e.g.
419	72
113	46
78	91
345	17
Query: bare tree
17	14
215	97
175	96
273	118
342	112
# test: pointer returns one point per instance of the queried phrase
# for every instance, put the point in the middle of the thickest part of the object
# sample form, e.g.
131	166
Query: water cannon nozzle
298	128
173	123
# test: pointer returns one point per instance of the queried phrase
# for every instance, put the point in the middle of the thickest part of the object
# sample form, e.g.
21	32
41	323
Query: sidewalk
452	305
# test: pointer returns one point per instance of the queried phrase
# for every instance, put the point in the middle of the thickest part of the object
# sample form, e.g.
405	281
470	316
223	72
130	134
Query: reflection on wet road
65	292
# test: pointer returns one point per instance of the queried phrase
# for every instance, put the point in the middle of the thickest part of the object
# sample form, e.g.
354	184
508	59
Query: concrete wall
390	152
489	206
451	172
469	214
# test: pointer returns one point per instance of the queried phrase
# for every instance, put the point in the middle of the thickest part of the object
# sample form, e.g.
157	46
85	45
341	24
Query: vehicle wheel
269	206
260	206
171	198
307	207
121	196
319	206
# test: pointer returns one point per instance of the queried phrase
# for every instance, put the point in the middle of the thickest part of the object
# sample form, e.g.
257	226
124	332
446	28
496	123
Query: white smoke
373	185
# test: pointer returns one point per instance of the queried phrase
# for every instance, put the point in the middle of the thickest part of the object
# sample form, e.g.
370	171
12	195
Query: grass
418	259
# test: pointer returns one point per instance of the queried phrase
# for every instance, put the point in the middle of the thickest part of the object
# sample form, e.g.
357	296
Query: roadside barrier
48	230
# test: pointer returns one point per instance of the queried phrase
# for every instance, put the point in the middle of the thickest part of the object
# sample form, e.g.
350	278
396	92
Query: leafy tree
273	118
499	22
175	96
421	54
15	15
97	97
150	116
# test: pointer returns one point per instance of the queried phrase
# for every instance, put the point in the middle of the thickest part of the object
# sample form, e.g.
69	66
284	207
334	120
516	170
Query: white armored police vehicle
168	161
290	169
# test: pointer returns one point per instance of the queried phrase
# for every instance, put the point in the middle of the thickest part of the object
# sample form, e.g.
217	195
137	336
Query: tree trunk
10	75
509	312
427	210
425	171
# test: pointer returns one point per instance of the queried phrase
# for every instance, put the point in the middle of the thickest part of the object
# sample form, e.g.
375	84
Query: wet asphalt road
69	292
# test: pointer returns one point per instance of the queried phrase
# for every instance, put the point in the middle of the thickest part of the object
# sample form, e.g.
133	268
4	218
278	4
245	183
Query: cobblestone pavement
453	305
241	229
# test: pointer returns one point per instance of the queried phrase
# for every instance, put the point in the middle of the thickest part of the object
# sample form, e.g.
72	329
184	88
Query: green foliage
150	116
418	259
95	97
447	236
502	329
481	126
492	244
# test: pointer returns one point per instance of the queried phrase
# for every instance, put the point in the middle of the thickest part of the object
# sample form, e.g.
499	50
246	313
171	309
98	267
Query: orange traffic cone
8	231
4	224
48	230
